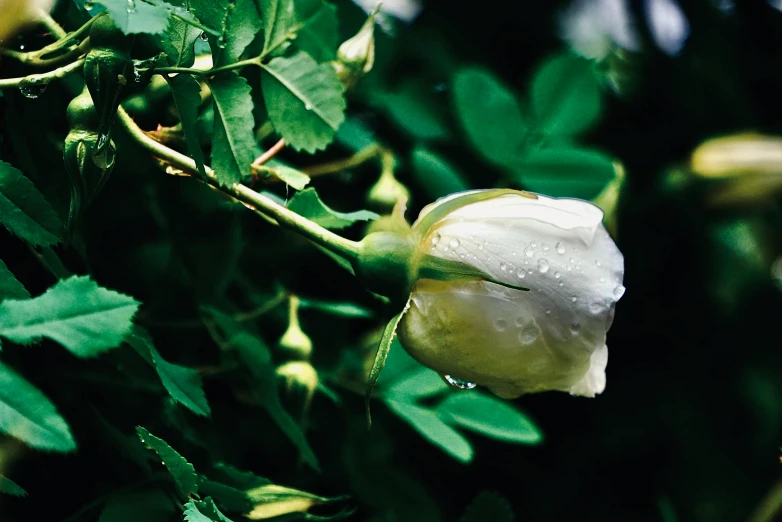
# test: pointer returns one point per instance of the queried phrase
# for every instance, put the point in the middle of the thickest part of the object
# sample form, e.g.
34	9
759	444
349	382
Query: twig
366	154
269	154
45	78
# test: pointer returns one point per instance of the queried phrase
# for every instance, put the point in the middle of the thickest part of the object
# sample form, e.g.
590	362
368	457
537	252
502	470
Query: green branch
42	79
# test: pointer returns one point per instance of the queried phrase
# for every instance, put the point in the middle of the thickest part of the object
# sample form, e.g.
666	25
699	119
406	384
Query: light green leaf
380	359
579	173
488	505
9	487
233	144
77	313
237	22
489	113
137	16
25	413
178	42
488	416
288	175
149	505
419	383
436	176
181	470
279	19
565	95
256	357
319	33
9	286
341	309
24	211
187	96
308	204
304	100
193	514
428	424
412	110
182	383
204	511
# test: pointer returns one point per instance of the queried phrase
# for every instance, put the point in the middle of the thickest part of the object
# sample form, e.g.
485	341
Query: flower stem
269	154
264	205
44	78
208	72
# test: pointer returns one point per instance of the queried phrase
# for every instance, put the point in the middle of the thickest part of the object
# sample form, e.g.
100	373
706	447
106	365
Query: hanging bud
300	380
356	56
294	342
272	501
387	190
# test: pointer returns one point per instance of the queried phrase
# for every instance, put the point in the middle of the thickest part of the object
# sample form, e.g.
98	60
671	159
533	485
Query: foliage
142	373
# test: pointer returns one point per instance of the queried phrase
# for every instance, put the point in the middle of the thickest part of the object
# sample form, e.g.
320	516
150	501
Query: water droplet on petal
503	266
560	248
598	263
480	247
454	243
529	334
529	251
574	299
575	328
596	307
543	265
557	275
521	273
458	383
500	324
435	239
520	320
548	311
545	247
561	283
533	244
619	291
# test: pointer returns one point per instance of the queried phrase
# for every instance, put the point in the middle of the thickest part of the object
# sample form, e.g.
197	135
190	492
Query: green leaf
435	175
9	487
421	382
308	204
428	424
178	42
256	357
181	470
187	96
489	113
25	413
380	359
565	96
237	478
24	211
242	23
279	19
182	383
350	310
319	33
304	100
137	16
9	286
233	144
77	313
412	110
149	505
204	511
488	416
228	497
288	175
488	505
579	173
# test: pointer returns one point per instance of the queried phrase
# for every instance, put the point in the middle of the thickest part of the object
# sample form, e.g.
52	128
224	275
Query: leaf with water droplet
181	470
137	17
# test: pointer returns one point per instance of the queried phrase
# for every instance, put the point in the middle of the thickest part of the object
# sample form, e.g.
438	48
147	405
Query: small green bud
387	190
356	56
294	342
300	380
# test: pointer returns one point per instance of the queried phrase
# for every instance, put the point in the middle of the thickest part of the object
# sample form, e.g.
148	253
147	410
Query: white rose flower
552	337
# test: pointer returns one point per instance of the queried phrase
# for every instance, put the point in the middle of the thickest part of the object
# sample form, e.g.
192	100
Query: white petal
668	25
594	382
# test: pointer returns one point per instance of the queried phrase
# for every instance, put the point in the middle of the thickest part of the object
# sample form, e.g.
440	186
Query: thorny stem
44	78
258	202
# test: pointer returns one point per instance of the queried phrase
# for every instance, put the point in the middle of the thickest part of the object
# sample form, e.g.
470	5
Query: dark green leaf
24	211
227	497
25	413
243	23
412	110
187	96
137	16
150	505
9	286
279	19
565	95
233	147
380	359
181	470
488	505
489	416
77	313
489	113
237	478
319	34
9	487
178	42
183	384
308	204
304	100
435	175
579	173
257	359
428	424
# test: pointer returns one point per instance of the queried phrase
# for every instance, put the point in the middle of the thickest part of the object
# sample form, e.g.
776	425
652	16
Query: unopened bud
294	342
356	56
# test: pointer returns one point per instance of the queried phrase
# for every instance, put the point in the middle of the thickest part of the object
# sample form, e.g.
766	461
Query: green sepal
88	171
433	267
380	358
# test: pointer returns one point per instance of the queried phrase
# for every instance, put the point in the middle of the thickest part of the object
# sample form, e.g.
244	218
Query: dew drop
500	325
548	311
529	251
521	273
543	265
619	291
204	36
458	383
520	320
308	107
560	248
221	41
480	247
596	307
131	6
533	244
528	335
561	283
436	239
575	328
574	299
503	266
88	5
31	88
569	268
454	243
557	275
445	249
598	263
